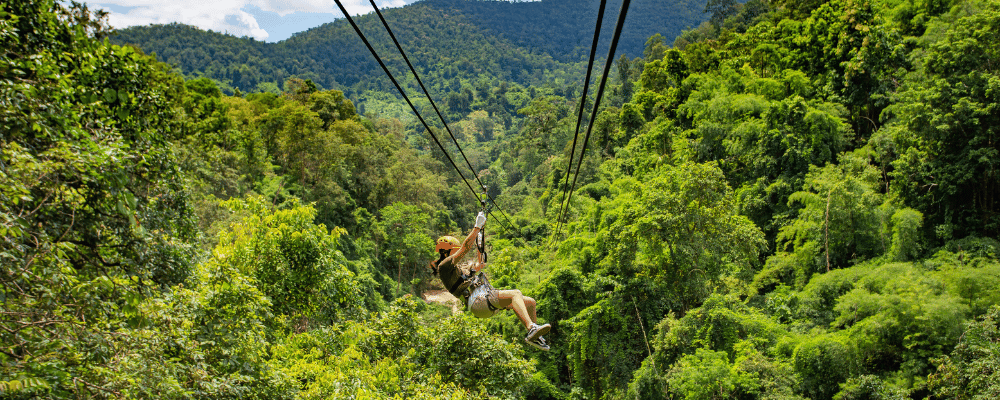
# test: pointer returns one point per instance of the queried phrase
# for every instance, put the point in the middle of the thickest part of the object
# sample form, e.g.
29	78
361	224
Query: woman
479	296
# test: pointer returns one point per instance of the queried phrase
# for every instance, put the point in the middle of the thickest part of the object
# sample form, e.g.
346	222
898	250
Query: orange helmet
446	246
447	243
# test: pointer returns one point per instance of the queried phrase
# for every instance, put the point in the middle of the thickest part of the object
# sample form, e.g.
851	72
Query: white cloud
224	15
286	7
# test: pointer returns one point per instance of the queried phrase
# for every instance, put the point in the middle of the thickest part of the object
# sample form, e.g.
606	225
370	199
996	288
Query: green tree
546	130
92	212
401	241
943	138
654	48
869	387
698	346
896	316
680	228
823	363
663	243
970	371
842	219
395	354
330	106
720	10
294	262
205	112
704	375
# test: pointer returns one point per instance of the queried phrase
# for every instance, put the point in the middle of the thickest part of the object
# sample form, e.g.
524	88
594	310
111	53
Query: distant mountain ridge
564	28
450	41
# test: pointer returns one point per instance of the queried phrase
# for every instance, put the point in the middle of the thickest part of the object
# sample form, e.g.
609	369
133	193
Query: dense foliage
794	200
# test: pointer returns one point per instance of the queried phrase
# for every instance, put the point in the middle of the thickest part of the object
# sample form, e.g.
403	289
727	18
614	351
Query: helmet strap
444	254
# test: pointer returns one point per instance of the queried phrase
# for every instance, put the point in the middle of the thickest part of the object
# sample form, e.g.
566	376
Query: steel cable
600	93
413	70
579	117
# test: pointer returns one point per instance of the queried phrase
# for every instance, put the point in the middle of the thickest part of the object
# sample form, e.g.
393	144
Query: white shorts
480	299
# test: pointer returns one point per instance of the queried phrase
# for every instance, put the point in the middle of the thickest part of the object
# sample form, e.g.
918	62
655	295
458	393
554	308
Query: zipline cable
579	116
405	97
441	117
600	92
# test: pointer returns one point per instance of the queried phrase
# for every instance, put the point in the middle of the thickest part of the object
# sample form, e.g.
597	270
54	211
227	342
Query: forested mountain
795	200
453	42
564	28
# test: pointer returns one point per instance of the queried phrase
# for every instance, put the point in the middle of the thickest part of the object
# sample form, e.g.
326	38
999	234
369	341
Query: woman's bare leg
529	304
514	300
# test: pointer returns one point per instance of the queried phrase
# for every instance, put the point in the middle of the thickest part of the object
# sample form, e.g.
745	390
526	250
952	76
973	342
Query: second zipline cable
600	92
579	117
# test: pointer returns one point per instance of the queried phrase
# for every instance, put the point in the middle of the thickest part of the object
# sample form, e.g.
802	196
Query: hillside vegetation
794	200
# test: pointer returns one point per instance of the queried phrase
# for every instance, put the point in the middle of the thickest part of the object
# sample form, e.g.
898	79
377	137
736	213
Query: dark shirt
451	275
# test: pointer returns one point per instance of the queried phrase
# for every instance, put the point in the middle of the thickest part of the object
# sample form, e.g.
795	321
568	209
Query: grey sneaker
539	343
537	331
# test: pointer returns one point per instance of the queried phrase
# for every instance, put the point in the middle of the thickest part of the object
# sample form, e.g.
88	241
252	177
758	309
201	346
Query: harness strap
490	305
483	280
454	286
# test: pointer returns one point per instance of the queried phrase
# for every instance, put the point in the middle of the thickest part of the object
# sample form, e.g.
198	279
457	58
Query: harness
478	279
468	283
481	280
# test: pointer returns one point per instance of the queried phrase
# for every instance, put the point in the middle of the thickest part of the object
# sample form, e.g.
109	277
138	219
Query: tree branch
91	385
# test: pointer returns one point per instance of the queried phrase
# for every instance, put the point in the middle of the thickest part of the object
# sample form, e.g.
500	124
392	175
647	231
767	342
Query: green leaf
130	199
110	95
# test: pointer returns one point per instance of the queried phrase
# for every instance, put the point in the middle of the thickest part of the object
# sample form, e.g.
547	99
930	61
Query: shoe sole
537	346
542	331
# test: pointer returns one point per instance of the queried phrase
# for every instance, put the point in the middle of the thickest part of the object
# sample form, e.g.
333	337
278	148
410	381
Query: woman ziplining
469	284
479	296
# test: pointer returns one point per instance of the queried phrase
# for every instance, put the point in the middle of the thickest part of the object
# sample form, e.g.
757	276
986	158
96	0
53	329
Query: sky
267	20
